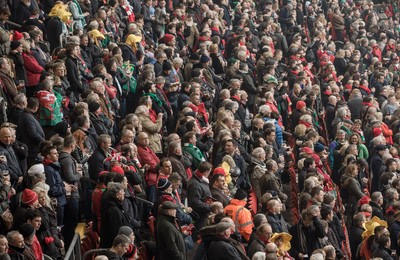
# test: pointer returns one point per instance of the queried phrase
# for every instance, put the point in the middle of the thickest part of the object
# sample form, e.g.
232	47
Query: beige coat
153	131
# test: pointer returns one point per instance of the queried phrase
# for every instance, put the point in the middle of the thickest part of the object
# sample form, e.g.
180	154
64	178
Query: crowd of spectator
201	129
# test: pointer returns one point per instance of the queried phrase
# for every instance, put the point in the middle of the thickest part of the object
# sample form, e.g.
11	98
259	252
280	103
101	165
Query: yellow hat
286	240
58	6
370	226
132	39
95	34
60	10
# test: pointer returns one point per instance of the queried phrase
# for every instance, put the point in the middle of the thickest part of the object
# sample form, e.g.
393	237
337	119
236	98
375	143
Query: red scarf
365	88
199	174
130	14
308	125
368	104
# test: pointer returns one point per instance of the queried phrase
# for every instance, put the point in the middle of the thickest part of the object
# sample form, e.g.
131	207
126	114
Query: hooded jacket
68	171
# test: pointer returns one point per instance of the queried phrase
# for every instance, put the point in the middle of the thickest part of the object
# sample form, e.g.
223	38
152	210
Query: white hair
259	256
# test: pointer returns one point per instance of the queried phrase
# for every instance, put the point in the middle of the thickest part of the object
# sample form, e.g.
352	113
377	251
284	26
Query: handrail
74	250
93	251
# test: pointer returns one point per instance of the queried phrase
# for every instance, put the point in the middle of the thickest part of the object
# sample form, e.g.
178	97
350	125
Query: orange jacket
241	216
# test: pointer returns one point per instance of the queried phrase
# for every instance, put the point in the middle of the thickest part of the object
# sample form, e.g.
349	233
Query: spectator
113	215
240	215
16	245
264	233
120	246
169	238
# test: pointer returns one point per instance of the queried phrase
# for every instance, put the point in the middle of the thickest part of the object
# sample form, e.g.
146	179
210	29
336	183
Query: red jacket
33	69
147	156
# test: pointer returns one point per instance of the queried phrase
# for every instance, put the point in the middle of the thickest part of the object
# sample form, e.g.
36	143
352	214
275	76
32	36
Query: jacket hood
208	231
63	155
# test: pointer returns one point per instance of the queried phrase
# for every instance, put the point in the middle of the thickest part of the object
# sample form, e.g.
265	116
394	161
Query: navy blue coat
53	179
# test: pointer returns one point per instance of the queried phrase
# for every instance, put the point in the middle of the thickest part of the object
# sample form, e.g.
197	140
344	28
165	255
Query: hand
62	244
189	210
67	187
20	179
146	167
160	115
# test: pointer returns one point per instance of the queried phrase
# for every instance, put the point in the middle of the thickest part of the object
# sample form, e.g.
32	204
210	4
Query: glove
48	240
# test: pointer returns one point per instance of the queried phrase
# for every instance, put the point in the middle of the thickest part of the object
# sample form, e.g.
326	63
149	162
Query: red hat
118	169
324	56
364	200
220	171
17	36
300	104
376	131
307	150
29	197
168	38
103	172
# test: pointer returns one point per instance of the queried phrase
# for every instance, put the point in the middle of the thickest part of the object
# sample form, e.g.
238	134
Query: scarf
302	238
365	88
129	13
368	104
201	176
308	125
154	98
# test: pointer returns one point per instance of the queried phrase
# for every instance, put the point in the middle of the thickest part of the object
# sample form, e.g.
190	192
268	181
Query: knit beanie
29	197
163	184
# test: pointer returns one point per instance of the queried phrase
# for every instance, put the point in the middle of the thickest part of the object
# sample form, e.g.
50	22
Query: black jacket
16	253
55	26
96	163
355	106
355	238
113	217
221	249
310	234
73	75
170	242
199	191
30	132
48	228
383	253
376	210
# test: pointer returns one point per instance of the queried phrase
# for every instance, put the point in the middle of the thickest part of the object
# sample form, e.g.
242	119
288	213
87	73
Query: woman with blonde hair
48	228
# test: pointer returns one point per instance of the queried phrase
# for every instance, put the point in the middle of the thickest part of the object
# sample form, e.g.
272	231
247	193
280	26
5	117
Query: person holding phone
306	233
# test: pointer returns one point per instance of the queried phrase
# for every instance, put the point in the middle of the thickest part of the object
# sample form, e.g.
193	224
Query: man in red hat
217	184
